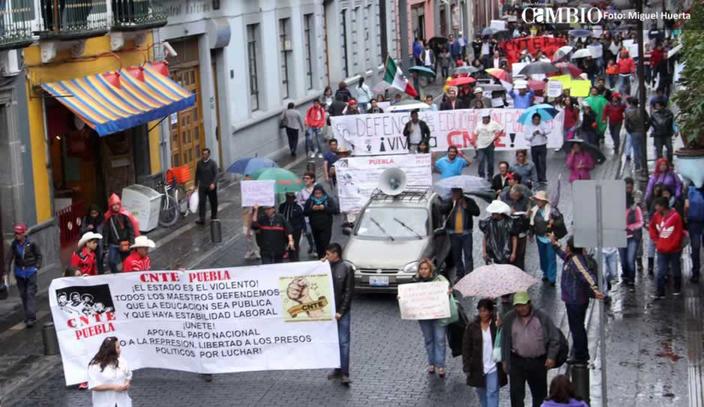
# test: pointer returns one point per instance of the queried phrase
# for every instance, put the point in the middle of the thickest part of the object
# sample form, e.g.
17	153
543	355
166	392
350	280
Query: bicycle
174	198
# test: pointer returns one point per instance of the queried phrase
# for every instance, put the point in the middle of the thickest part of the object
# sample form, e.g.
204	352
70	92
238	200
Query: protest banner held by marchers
205	321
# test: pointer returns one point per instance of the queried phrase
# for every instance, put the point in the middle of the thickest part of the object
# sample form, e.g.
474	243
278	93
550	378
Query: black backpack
564	351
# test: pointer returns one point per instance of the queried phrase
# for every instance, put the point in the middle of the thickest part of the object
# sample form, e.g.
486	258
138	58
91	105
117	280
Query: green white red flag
395	77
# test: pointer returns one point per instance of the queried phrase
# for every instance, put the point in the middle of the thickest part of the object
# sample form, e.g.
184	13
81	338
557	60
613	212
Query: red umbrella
536	85
568	68
463	80
499	74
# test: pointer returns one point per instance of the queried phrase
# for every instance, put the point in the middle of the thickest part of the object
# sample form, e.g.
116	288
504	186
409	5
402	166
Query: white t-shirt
487	350
486	133
416	135
110	375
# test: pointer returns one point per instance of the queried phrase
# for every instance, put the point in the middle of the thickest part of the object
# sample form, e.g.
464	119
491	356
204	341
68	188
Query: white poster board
257	193
358	177
424	300
554	89
382	134
203	321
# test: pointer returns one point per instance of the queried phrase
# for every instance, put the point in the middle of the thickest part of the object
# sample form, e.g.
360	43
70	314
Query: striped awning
109	109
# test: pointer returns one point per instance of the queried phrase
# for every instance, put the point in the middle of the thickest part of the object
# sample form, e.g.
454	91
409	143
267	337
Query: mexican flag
395	77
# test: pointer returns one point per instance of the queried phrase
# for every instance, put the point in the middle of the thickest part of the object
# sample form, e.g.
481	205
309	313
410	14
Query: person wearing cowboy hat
83	259
500	236
27	258
139	260
542	217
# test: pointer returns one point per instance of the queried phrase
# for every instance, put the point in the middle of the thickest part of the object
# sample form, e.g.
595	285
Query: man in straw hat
139	260
542	217
500	238
83	259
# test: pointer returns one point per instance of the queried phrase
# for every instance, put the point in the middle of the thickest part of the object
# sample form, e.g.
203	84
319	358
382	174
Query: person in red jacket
667	232
613	112
315	121
626	68
657	55
139	260
83	260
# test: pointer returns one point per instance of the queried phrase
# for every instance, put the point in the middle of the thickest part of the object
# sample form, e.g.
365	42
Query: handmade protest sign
554	89
382	134
580	88
424	300
257	193
358	177
225	320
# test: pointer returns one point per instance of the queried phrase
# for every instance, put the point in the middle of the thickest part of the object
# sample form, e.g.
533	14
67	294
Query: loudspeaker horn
392	181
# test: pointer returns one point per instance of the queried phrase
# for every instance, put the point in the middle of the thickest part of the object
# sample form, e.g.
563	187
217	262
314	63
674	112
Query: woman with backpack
578	284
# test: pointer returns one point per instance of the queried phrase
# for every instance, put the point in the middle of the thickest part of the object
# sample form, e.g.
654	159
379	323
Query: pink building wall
428	7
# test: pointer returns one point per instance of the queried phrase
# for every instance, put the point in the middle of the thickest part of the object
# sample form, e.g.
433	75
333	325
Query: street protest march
267	317
359	176
374	134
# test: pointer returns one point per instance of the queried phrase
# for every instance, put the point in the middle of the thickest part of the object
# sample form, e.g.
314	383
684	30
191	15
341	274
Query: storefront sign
205	321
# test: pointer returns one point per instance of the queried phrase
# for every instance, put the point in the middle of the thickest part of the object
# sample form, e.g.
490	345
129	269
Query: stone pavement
388	359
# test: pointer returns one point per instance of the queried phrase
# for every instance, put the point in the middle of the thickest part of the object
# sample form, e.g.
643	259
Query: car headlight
349	263
411	267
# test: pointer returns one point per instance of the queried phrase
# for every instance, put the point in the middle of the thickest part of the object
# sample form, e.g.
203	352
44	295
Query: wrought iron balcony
134	15
73	19
16	23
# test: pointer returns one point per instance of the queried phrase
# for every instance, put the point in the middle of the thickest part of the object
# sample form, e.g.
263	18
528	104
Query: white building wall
247	132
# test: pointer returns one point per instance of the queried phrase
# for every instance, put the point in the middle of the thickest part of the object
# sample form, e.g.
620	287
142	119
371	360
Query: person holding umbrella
579	162
485	375
577	285
520	205
459	225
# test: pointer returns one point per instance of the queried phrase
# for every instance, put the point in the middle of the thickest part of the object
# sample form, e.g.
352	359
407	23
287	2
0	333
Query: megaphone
392	181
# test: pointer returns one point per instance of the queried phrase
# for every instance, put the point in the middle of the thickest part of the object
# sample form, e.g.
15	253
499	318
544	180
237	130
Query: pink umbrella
499	74
536	85
568	68
494	280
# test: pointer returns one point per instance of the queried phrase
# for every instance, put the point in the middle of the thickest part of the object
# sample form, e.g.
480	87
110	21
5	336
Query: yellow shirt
459	219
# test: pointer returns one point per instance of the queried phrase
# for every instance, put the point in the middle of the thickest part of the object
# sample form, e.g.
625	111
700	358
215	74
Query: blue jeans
486	161
624	85
343	333
115	257
668	261
610	265
489	395
434	337
628	258
548	262
313	140
461	249
696	235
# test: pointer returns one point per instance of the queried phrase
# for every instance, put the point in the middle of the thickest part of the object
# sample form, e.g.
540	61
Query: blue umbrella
580	32
546	112
246	166
422	70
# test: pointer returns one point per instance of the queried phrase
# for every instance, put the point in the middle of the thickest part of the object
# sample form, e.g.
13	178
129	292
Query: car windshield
393	223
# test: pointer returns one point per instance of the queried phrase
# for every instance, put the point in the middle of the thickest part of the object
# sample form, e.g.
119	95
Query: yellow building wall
97	58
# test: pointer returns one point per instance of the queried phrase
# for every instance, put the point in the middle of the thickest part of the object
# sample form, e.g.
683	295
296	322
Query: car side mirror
439	232
347	231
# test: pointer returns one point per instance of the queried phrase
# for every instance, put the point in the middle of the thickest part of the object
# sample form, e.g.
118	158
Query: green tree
690	94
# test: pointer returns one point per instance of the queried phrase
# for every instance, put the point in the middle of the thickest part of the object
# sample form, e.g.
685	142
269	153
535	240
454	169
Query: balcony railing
16	23
133	15
73	19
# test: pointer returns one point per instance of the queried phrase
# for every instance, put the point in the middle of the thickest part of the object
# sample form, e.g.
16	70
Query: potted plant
689	98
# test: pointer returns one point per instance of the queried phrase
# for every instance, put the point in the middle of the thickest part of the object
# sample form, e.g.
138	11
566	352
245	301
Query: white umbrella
494	280
582	53
407	106
468	184
562	52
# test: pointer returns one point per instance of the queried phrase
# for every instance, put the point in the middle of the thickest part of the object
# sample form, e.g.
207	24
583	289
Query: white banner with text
376	134
226	320
358	177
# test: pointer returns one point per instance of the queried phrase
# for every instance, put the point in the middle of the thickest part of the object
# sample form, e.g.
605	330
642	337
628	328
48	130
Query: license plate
379	281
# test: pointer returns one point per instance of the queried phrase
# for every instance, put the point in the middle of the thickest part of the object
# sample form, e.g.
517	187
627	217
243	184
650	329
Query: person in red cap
27	258
120	230
352	107
613	112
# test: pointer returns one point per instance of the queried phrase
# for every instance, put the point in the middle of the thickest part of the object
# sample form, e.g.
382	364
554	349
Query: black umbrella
436	42
596	153
538	68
